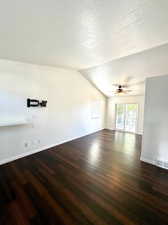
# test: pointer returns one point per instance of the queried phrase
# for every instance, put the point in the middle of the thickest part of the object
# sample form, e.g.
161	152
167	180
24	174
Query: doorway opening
126	117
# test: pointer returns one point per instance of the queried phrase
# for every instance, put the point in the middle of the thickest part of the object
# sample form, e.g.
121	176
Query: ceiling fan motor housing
120	89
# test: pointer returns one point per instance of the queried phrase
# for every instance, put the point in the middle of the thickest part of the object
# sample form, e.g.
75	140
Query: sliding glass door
120	117
126	117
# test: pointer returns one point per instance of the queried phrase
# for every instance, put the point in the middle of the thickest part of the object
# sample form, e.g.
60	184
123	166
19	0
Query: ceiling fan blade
120	85
135	84
127	90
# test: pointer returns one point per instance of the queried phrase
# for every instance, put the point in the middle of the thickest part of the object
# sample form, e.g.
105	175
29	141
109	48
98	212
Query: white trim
13	158
6	122
152	161
139	133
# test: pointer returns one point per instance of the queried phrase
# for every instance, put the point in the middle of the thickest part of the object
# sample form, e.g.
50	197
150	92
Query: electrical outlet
32	143
26	144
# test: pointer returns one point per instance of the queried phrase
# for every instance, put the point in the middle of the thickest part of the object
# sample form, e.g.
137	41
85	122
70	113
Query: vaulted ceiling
110	40
131	71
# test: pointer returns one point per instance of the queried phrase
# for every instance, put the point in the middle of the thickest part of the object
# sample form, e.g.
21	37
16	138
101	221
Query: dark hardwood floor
94	180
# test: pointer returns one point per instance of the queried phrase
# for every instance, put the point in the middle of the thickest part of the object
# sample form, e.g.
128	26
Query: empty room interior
83	112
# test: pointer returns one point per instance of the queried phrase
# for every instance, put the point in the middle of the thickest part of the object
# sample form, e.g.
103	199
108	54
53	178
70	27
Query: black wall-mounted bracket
36	103
43	103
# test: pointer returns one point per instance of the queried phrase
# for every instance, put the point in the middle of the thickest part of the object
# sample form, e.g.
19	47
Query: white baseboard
152	161
13	158
139	133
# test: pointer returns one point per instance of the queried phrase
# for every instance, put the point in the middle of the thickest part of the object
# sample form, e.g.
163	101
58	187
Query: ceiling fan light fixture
121	90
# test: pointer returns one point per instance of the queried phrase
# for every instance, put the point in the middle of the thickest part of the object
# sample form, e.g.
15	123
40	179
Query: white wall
155	138
110	122
68	115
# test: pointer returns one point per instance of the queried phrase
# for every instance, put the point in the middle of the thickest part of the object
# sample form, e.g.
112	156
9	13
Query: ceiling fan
121	89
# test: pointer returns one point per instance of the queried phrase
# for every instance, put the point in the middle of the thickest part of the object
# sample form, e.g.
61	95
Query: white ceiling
131	70
82	34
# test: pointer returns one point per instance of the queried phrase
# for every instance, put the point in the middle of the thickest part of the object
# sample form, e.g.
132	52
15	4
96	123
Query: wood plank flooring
94	180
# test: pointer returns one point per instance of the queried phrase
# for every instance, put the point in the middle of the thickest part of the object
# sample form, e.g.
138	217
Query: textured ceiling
80	34
131	70
89	33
